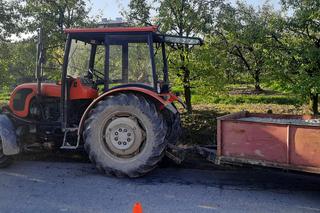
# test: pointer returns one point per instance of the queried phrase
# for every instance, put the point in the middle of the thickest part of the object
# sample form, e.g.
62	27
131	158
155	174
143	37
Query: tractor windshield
128	60
78	59
118	60
128	64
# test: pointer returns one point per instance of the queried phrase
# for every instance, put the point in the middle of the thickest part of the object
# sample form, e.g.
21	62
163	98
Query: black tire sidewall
4	159
152	149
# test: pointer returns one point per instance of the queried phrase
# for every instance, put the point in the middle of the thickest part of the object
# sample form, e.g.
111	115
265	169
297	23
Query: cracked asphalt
42	186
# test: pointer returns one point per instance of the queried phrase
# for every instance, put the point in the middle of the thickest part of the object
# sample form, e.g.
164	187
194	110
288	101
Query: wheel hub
123	136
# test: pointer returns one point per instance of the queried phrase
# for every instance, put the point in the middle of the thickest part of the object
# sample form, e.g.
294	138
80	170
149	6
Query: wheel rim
124	136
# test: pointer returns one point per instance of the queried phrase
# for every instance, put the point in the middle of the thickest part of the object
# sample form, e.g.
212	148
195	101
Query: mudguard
8	136
147	92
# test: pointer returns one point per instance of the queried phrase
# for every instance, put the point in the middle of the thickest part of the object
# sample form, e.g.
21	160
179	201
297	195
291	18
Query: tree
54	17
139	12
9	17
244	33
17	62
208	64
299	45
184	18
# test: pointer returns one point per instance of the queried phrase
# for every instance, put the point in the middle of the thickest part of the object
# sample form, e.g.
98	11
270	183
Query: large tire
130	113
174	127
5	160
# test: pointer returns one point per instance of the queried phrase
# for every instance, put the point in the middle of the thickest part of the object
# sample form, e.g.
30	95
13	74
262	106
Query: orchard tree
10	18
208	64
245	33
54	17
184	18
139	13
9	25
299	45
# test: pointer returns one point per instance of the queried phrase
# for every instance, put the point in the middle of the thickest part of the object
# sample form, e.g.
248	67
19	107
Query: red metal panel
80	91
256	141
305	146
295	147
24	113
77	91
50	90
219	137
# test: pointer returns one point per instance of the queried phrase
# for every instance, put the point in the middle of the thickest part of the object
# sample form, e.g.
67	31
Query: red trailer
282	141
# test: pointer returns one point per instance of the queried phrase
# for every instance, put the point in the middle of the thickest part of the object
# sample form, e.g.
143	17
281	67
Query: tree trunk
187	88
256	77
314	99
257	87
186	81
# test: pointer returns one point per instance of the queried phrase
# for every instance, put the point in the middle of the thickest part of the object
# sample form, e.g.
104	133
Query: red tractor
113	99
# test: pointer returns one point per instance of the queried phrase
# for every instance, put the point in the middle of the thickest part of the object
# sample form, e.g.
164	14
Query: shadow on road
197	171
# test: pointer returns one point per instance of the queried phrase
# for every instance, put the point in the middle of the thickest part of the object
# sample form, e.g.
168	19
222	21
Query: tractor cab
118	57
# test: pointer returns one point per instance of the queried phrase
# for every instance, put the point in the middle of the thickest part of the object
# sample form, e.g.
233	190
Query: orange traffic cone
137	208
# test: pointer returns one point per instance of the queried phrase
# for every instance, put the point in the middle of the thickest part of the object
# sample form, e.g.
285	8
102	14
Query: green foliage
4	97
298	50
184	18
9	17
78	59
54	17
243	33
17	62
139	12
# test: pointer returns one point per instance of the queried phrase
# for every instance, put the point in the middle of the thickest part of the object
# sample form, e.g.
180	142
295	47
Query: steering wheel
97	74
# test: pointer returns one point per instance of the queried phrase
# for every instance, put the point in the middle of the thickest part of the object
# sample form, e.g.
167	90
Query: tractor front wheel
125	135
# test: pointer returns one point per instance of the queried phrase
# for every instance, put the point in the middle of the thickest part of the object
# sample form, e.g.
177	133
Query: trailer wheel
125	135
4	159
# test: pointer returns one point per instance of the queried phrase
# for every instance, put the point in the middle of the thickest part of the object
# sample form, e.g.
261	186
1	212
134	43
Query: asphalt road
39	186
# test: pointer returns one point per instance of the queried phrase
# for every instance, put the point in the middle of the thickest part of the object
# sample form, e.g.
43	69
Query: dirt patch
200	126
246	91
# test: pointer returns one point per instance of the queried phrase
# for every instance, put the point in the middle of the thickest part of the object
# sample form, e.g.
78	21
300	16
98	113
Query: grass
245	99
4	99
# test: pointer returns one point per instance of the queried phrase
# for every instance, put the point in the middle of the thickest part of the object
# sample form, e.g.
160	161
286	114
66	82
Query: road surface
39	186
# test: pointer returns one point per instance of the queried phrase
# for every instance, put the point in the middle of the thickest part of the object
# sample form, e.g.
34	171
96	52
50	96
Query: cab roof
127	34
97	35
151	29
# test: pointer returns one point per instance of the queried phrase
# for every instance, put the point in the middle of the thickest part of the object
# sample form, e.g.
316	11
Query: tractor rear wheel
125	135
174	131
4	159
